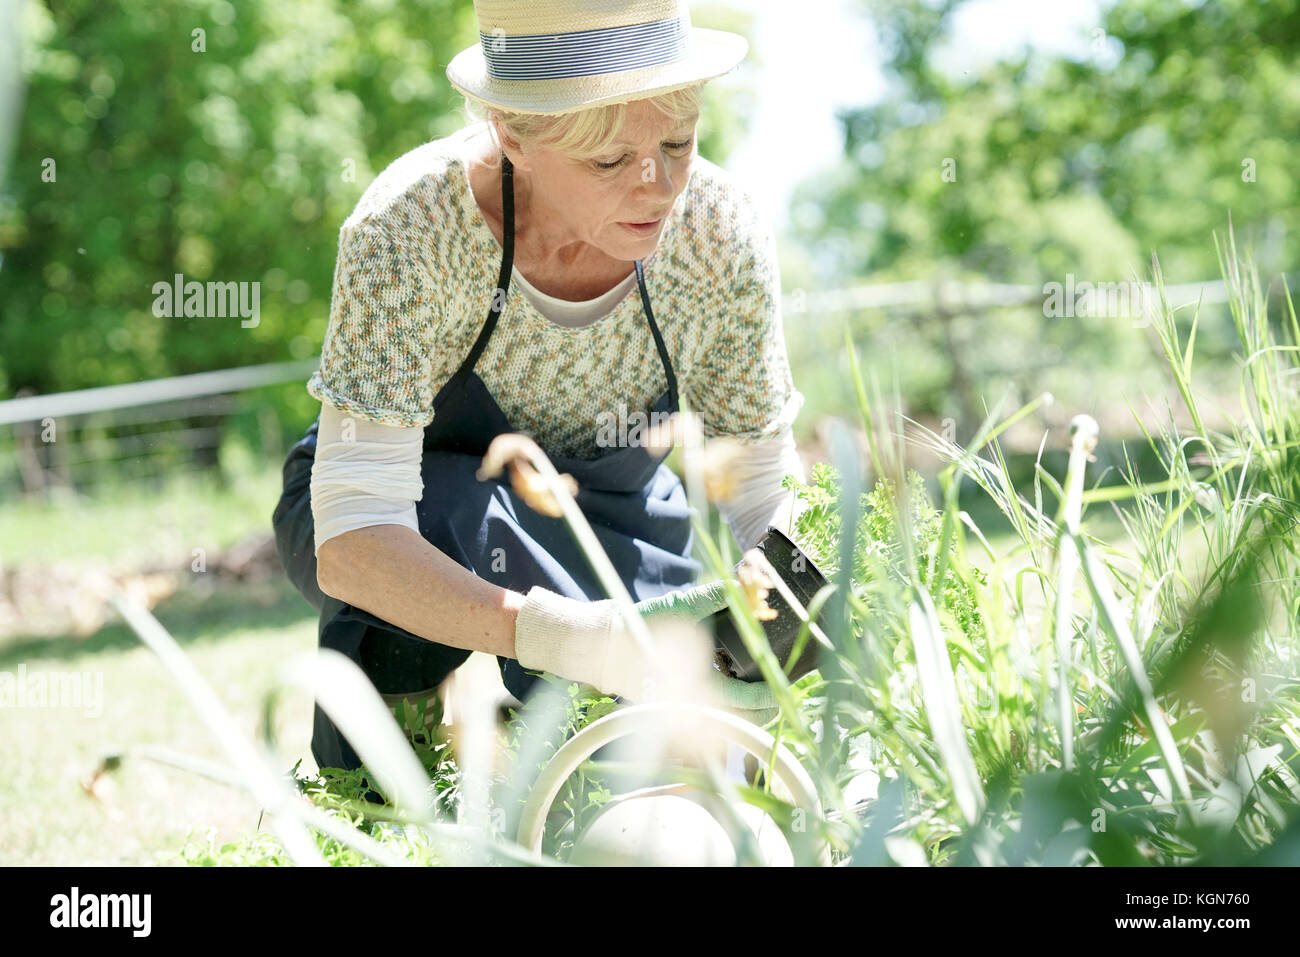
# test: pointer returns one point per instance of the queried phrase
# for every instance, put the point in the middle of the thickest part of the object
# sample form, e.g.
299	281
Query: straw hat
557	56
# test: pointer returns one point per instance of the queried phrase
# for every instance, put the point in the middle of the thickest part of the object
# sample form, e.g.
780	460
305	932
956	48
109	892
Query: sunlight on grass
139	527
47	817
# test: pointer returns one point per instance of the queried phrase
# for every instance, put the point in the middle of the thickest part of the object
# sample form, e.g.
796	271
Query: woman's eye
614	164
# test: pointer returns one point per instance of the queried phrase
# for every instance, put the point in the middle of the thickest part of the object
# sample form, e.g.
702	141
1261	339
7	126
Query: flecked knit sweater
416	269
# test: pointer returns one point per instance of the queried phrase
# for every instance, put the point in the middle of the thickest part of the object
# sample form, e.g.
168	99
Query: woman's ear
510	146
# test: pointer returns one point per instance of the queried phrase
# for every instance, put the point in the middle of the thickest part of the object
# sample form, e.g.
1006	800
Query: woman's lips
643	229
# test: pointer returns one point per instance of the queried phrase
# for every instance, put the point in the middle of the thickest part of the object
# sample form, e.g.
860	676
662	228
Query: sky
804	78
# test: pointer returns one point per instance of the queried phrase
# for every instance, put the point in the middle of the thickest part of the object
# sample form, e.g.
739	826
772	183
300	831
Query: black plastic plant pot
804	579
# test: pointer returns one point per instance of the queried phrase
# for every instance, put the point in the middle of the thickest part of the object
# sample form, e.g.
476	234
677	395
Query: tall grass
1135	704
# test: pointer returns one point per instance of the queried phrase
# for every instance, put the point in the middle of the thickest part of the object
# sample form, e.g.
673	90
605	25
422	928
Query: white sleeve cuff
759	499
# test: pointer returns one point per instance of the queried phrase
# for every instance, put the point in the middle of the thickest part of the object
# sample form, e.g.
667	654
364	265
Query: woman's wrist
511	602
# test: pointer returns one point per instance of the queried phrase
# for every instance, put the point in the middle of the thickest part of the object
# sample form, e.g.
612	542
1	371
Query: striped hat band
550	56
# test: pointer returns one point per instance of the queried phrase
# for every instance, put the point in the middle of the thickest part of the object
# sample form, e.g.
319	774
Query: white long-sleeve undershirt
759	500
365	474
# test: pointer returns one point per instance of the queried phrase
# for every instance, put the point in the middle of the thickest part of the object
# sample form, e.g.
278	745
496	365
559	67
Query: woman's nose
656	177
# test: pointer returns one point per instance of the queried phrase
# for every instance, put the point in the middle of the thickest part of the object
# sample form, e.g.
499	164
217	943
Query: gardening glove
588	642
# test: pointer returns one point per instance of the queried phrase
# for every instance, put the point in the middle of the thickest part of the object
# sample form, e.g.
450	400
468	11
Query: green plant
1120	702
585	793
817	531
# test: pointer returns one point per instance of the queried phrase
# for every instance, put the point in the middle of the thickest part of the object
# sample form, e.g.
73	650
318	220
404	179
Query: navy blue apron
635	504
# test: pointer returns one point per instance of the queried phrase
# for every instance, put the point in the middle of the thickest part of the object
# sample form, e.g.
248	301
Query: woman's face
594	200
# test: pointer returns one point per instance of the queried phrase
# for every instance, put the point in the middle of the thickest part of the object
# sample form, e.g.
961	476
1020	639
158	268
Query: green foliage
352	796
584	793
260	849
229	154
1176	683
1146	135
880	543
816	528
343	794
1134	140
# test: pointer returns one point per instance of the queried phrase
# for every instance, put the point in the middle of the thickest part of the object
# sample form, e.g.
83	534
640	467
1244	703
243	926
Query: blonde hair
581	134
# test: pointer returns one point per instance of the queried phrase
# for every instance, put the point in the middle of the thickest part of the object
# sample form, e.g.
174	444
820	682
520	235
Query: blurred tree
1170	117
200	138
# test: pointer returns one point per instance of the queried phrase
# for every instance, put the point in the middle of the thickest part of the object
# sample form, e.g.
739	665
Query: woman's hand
588	642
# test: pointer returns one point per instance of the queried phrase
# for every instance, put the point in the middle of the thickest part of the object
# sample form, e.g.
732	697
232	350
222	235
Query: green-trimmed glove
587	641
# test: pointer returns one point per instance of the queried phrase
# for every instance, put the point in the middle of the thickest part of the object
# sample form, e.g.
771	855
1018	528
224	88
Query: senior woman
575	195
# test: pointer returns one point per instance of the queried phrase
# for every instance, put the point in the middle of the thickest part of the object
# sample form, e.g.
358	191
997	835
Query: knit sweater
416	270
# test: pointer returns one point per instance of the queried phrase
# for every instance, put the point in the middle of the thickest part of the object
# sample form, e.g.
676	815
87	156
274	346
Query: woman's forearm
395	574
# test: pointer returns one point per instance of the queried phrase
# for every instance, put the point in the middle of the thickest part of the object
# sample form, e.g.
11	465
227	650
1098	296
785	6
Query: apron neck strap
659	339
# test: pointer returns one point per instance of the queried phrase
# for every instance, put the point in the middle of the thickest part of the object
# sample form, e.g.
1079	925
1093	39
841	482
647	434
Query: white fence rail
161	426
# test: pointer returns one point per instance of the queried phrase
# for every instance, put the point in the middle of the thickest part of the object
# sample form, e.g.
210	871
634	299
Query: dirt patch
66	597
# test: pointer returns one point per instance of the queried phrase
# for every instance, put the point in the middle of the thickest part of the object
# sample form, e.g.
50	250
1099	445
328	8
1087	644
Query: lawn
144	811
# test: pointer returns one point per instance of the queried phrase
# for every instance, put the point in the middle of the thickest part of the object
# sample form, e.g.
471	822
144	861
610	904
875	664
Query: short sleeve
741	384
376	360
